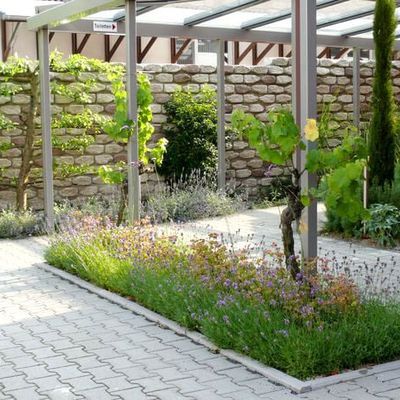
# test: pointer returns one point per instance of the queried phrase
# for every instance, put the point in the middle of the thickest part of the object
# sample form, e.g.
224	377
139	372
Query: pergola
73	16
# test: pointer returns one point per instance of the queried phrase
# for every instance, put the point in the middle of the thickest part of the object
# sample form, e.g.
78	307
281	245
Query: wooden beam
51	35
176	54
239	57
77	48
142	53
326	52
257	58
281	50
342	53
109	50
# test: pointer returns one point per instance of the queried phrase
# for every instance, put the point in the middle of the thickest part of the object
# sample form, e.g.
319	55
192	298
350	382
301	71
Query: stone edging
271	374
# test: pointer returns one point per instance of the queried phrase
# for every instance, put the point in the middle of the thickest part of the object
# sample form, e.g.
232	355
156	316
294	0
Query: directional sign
101	26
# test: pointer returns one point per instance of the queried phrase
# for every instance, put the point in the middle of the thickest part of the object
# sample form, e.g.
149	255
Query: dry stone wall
256	89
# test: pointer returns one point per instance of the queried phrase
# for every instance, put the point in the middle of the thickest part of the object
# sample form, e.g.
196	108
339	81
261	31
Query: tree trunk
287	218
122	203
27	152
289	215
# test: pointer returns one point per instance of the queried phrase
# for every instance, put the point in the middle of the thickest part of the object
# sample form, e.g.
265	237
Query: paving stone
97	394
25	394
35	372
133	394
15	382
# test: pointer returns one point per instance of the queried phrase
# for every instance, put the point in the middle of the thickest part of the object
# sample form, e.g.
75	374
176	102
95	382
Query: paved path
58	341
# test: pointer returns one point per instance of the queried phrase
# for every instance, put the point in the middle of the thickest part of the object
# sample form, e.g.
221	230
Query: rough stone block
243	173
235	78
113	148
164	78
103	159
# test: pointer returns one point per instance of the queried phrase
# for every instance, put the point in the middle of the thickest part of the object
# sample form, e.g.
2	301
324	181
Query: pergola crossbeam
263	21
228	34
346	17
221	11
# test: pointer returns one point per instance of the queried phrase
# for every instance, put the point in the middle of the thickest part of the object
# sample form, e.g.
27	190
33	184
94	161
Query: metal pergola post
45	112
221	114
131	83
356	112
356	87
2	29
304	57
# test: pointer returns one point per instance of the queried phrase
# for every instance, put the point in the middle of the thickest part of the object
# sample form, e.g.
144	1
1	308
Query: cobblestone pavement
59	341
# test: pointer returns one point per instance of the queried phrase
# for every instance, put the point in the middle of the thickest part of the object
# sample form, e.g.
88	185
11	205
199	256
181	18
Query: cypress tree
382	136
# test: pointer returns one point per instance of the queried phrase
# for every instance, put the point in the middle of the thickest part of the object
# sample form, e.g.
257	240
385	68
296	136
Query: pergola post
356	112
2	32
221	114
131	83
304	56
356	87
45	112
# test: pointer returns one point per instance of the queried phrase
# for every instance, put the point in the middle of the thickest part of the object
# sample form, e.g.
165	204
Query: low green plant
14	224
318	324
195	198
191	131
384	224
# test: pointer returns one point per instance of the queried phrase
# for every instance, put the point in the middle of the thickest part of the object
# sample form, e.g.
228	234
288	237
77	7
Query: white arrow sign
101	26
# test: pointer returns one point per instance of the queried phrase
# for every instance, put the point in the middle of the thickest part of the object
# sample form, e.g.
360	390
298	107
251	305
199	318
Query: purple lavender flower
268	172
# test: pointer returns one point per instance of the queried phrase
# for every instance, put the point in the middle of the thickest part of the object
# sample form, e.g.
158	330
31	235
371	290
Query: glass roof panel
335	20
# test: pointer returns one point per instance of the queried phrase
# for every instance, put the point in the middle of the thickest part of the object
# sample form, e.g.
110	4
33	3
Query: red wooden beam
238	56
342	53
109	50
77	48
257	58
142	53
176	54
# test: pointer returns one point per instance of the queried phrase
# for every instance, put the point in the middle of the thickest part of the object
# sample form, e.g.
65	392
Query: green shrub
17	224
382	135
384	224
314	325
389	194
191	131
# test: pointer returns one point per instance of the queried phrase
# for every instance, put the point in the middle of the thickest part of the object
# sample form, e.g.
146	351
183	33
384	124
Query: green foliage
318	325
79	92
389	194
121	128
6	123
76	63
381	137
276	140
9	89
87	120
384	224
15	224
114	175
191	131
78	143
341	167
68	170
18	66
342	176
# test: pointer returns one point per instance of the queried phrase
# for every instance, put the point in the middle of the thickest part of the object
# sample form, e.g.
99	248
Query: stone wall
256	89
